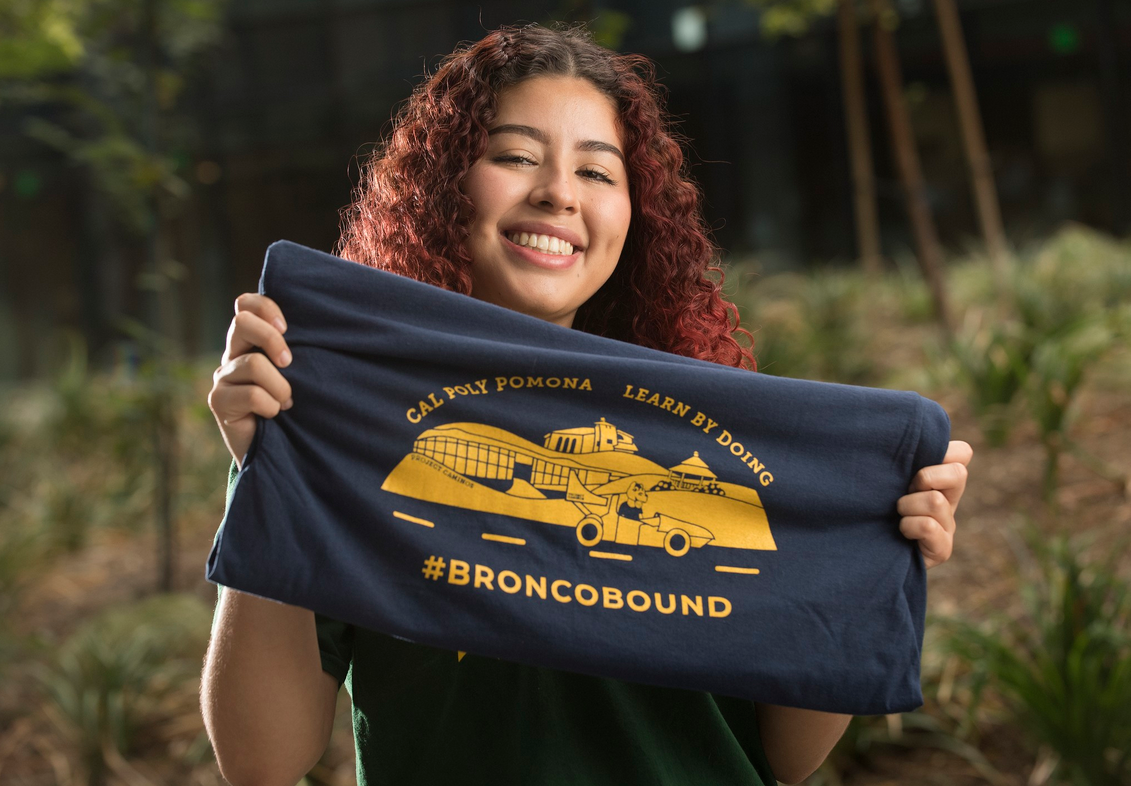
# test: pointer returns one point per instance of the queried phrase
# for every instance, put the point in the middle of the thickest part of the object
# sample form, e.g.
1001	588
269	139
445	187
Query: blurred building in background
297	90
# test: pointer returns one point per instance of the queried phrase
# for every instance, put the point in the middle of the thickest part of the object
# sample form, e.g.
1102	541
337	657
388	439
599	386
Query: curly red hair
410	217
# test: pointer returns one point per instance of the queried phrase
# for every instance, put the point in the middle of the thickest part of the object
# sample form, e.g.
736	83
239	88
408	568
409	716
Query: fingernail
289	403
281	325
285	358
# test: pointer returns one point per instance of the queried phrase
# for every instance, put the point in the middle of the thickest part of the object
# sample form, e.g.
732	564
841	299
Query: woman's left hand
928	510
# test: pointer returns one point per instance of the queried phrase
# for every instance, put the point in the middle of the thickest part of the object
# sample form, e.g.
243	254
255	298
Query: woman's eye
599	176
513	159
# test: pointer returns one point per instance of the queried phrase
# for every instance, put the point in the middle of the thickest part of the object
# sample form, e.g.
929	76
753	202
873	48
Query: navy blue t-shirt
460	475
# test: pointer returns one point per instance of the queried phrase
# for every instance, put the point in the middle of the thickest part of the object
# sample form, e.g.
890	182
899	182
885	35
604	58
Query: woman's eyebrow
589	145
592	145
534	133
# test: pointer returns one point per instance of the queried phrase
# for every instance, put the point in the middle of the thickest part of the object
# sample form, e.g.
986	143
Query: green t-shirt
423	715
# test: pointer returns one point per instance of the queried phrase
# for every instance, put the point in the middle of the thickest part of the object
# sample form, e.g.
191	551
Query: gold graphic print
589	479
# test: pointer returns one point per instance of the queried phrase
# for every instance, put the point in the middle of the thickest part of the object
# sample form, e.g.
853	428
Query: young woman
535	170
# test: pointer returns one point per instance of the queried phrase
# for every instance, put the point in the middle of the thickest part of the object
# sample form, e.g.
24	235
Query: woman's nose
555	190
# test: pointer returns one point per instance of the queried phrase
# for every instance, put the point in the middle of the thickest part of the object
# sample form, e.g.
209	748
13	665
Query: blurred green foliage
809	326
1064	665
1067	312
993	365
112	676
38	37
78	454
109	74
791	17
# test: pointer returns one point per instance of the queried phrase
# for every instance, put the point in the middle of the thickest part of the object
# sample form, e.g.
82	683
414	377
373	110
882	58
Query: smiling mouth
546	244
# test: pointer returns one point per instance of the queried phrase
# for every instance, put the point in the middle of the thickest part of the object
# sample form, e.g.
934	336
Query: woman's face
551	199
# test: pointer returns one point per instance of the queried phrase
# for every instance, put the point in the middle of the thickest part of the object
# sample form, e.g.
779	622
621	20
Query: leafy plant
1064	666
1059	367
810	326
67	515
21	547
993	366
110	677
1067	311
1076	275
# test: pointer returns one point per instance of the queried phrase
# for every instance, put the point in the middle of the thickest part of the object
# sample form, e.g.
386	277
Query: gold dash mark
413	519
729	569
611	555
504	539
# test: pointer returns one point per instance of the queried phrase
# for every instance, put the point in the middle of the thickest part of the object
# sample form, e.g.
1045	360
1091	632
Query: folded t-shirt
464	476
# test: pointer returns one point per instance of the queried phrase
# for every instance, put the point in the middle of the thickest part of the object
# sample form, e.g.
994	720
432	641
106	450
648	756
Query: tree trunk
161	317
974	141
859	145
165	450
927	244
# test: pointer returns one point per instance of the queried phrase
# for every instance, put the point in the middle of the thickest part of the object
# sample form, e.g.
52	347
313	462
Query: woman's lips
547	261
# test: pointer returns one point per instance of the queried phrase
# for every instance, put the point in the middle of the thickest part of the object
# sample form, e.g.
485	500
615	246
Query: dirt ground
978	581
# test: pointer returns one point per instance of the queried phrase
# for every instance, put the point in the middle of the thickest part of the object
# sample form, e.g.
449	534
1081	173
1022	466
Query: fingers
927	517
255	369
931	504
928	511
248	384
234	403
263	307
249	329
935	542
958	451
950	479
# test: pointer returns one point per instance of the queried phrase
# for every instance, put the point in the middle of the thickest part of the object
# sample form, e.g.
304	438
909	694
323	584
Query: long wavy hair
410	217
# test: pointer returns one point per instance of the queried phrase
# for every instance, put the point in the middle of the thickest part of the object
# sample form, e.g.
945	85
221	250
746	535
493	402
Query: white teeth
547	244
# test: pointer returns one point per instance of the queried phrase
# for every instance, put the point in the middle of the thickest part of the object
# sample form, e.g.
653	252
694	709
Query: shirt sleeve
335	639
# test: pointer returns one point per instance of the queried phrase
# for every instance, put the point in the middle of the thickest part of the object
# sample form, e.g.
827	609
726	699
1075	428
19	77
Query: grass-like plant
1075	275
1059	366
1063	667
992	360
110	677
1067	310
809	326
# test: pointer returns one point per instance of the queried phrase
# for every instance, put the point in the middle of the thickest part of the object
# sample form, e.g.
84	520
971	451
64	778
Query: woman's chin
526	298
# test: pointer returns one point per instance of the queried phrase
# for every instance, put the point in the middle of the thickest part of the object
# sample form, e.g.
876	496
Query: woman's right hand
248	383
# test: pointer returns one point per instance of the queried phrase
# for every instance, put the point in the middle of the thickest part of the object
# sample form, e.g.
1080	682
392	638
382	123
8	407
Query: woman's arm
268	706
797	741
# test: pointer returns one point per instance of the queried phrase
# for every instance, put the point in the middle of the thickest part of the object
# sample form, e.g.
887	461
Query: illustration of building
591	479
488	454
691	475
602	436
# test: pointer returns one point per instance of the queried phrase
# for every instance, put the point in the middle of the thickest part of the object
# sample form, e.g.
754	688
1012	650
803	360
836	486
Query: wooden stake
859	145
974	140
929	251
